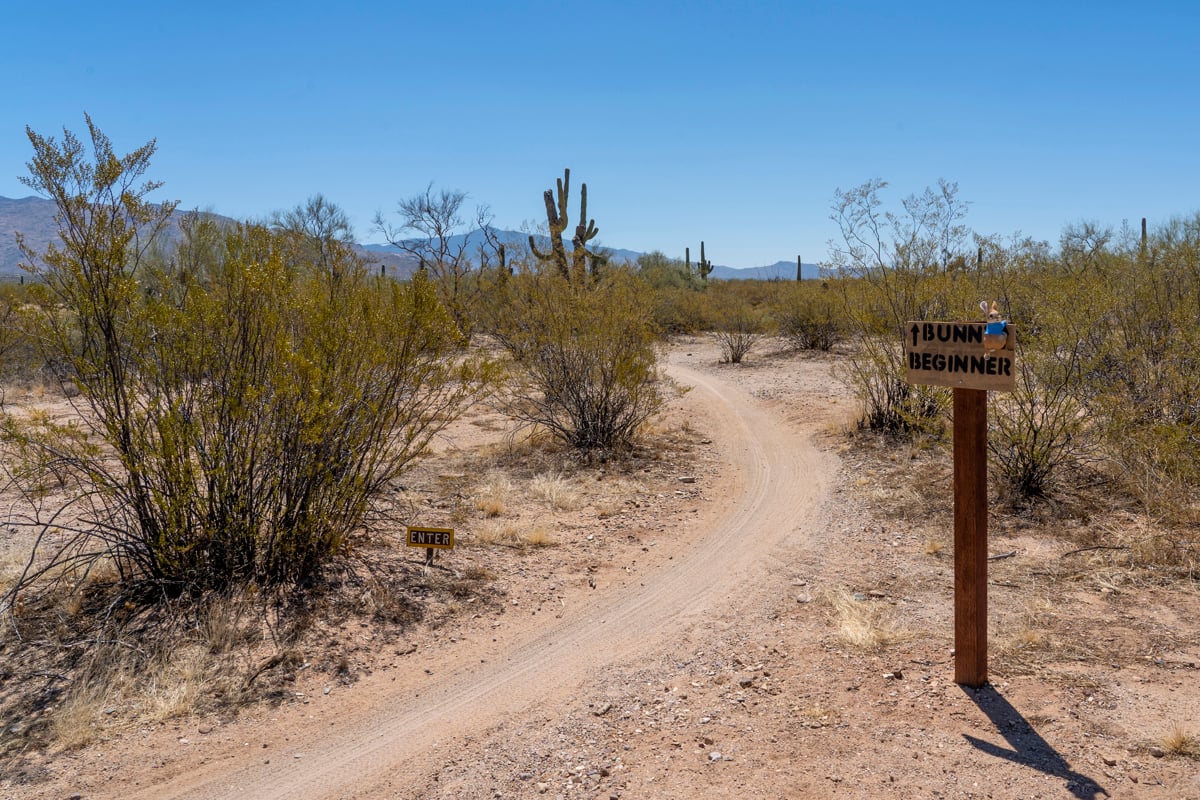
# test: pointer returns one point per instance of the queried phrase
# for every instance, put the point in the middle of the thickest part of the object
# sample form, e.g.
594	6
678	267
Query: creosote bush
240	407
738	327
808	316
584	363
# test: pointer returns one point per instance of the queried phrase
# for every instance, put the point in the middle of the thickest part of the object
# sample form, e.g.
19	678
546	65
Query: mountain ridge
33	217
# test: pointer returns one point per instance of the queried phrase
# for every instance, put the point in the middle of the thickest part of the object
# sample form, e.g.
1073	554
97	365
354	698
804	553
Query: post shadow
1029	749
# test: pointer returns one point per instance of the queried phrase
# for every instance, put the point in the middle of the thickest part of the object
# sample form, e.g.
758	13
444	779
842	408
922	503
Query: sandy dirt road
385	742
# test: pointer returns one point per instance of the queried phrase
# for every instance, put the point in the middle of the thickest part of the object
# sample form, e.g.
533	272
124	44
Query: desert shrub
240	409
583	353
892	267
737	326
1143	389
677	310
18	353
808	316
1041	430
661	272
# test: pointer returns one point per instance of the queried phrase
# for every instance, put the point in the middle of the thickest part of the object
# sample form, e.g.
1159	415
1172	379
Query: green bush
808	316
583	353
1144	390
241	409
737	326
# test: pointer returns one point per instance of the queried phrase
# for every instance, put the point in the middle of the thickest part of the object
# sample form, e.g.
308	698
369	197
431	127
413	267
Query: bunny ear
994	309
983	306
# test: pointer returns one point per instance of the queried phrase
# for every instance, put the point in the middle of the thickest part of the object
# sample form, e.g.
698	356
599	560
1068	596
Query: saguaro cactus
585	231
703	266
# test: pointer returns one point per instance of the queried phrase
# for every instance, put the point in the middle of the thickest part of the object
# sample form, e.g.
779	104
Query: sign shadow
1029	749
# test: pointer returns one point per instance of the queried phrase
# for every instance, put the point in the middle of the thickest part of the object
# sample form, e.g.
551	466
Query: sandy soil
764	612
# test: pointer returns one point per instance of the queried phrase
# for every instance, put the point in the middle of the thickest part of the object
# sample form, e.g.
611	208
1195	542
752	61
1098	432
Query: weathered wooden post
970	536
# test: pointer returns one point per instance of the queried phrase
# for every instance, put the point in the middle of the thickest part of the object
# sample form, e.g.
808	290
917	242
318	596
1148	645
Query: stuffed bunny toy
995	333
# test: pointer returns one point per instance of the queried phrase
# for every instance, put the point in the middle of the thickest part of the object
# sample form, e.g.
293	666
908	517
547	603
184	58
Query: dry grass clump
1021	636
514	534
172	684
1179	741
815	716
12	562
615	495
556	491
1118	549
493	494
864	624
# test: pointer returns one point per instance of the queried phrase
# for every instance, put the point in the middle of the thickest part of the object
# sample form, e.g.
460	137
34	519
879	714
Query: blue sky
729	122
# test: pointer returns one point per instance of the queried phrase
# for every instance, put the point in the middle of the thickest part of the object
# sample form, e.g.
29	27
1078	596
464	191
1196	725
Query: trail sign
971	358
957	355
440	538
431	539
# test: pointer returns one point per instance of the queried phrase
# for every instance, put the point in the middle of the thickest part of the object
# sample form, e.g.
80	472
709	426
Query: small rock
715	755
1157	751
687	478
1109	761
860	597
183	740
746	683
878	595
206	729
542	788
803	598
602	709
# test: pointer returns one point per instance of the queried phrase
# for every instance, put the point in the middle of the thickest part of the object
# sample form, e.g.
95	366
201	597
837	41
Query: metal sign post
957	355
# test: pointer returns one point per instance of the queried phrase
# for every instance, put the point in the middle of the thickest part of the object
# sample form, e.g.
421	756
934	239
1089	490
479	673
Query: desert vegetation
236	410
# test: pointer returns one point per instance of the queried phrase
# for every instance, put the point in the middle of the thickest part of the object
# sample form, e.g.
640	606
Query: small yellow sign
442	538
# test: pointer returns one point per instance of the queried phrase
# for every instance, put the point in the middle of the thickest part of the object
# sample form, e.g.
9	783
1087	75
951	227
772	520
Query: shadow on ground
1028	748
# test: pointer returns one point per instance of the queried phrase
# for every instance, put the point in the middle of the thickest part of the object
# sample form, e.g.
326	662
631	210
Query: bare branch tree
432	228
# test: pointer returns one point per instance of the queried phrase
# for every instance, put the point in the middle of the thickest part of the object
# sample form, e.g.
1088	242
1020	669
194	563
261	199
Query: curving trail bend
386	747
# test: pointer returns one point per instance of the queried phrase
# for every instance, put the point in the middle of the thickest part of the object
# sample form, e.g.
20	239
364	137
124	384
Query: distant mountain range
34	218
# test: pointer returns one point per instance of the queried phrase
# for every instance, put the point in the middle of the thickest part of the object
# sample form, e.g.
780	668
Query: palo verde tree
240	410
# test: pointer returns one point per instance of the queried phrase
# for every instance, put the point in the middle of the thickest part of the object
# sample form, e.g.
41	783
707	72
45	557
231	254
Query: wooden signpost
431	539
968	359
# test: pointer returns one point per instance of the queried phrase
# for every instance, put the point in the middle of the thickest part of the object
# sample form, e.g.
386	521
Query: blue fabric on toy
995	327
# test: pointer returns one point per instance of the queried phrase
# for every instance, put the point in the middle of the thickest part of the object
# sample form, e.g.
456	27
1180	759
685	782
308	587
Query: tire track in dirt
777	480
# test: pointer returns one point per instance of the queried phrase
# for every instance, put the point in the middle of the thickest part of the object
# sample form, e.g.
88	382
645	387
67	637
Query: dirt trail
386	740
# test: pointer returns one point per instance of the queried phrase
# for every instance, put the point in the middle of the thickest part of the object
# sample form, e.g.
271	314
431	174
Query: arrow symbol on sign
915	330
